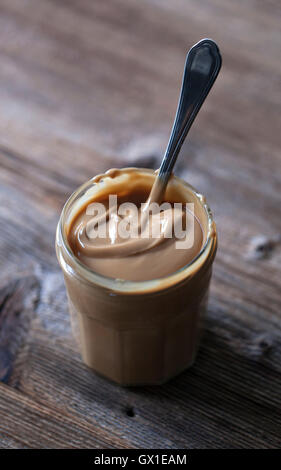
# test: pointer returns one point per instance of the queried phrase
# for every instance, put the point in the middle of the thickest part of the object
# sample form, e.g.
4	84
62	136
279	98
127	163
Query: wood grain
17	302
29	424
88	85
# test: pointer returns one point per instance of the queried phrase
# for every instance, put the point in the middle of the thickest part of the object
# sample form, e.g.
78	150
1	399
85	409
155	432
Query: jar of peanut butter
136	305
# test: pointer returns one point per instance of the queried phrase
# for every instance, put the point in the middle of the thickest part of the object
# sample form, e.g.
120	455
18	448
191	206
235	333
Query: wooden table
86	85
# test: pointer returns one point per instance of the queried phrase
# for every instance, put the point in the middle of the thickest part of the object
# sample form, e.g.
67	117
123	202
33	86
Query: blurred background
88	85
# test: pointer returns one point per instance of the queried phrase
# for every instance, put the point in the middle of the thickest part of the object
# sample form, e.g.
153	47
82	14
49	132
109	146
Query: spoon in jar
202	65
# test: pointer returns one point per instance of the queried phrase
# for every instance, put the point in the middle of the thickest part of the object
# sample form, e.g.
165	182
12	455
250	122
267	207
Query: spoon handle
202	65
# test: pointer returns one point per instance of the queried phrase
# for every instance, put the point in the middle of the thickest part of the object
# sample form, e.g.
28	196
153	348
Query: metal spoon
202	65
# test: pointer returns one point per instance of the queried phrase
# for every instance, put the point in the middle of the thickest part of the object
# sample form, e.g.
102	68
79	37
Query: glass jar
144	332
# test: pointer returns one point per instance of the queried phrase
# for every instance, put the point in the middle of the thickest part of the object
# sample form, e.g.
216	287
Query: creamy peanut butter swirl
125	241
142	237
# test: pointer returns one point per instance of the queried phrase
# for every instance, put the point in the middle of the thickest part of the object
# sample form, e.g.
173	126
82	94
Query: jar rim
126	286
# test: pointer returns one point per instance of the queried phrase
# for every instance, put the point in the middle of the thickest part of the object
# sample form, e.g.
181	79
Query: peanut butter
142	256
136	304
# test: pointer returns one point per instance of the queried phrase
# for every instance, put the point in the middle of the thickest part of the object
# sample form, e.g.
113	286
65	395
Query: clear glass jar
145	332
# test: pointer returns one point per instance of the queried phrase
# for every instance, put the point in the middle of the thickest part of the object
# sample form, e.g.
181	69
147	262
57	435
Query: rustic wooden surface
86	85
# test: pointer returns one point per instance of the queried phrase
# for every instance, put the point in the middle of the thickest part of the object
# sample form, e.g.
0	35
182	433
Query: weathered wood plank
32	425
17	305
